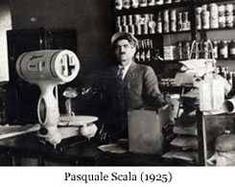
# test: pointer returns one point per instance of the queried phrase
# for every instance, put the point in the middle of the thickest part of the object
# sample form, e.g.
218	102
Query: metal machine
47	69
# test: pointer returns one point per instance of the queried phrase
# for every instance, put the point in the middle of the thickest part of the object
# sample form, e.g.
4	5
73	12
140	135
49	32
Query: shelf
177	32
216	29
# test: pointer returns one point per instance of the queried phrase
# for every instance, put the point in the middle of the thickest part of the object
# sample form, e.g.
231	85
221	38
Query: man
128	86
140	80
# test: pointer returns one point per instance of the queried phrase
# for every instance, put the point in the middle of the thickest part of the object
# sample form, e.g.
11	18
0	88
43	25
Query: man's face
124	52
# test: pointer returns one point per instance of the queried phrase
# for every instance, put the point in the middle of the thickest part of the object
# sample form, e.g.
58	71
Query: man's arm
151	89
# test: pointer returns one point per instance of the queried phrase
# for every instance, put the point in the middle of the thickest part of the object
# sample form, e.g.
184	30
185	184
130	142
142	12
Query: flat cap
124	35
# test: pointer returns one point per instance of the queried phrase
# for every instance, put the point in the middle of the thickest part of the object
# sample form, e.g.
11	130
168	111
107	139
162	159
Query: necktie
120	73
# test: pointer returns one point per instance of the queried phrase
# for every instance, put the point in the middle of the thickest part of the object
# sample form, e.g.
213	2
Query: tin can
167	1
126	4
166	26
143	3
222	20
118	4
229	15
159	2
134	3
151	2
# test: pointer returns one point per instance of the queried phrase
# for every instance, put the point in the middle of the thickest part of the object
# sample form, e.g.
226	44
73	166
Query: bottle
232	49
166	25
229	15
159	2
173	19
223	49
180	21
198	19
205	19
214	15
152	25
221	10
215	49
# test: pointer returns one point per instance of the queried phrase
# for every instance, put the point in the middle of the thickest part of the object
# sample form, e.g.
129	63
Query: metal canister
167	1
159	2
134	3
118	4
126	4
205	19
214	15
143	3
151	2
198	20
221	11
229	15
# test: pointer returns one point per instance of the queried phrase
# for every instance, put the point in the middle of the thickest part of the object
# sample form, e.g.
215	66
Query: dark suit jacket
142	88
139	89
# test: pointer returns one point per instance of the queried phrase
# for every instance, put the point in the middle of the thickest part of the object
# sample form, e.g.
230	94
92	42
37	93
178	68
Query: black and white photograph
100	83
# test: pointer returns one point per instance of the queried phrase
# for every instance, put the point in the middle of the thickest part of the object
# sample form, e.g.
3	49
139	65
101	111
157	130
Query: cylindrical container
143	3
173	15
205	19
152	25
118	20
198	20
229	15
214	15
167	1
134	3
159	2
166	26
126	4
223	49
222	20
232	49
118	4
151	2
